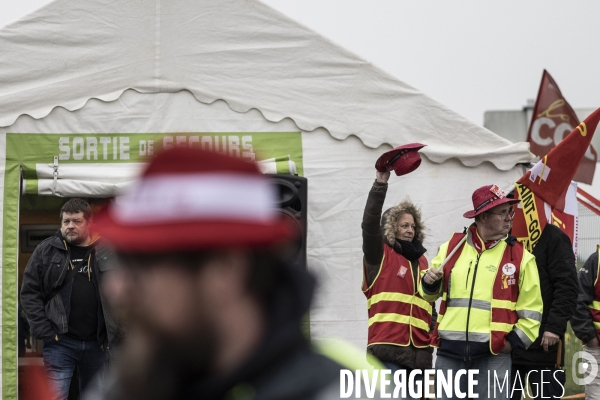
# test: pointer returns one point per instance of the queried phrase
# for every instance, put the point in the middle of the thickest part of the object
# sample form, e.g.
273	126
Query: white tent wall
240	66
340	174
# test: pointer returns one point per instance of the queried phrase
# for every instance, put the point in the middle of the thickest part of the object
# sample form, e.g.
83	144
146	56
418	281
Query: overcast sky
471	55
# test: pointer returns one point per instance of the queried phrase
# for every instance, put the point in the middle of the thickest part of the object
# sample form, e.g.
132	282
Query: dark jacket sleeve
32	296
563	277
581	322
434	317
431	288
371	231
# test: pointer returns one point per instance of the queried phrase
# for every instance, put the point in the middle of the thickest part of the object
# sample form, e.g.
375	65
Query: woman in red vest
400	320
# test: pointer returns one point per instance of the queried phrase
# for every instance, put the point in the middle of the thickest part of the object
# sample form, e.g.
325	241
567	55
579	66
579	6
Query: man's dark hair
77	205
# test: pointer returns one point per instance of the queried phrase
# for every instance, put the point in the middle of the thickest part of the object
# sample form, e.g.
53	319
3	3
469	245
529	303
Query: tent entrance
38	220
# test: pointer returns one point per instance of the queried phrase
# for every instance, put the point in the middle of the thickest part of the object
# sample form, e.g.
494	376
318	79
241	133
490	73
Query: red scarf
478	242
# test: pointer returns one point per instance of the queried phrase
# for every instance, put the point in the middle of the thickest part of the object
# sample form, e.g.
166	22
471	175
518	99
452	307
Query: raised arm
371	227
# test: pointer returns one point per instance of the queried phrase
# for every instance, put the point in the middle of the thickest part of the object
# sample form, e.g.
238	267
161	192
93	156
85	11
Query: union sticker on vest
402	271
508	272
509	269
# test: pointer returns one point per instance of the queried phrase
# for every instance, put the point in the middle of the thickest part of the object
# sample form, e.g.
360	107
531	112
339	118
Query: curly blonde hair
390	225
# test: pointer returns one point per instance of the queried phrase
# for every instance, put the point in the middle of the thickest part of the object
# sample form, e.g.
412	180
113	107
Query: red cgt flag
550	178
544	189
552	118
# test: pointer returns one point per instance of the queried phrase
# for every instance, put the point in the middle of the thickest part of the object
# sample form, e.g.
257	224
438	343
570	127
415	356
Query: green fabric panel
31	186
283	167
28	170
10	232
282	164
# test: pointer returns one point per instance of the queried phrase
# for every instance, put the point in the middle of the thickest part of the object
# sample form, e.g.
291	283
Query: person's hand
507	348
549	339
382	177
593	343
432	275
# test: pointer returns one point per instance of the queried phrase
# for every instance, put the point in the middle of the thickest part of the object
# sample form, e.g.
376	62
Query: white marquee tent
91	82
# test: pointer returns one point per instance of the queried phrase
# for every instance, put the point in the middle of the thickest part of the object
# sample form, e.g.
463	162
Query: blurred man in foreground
213	311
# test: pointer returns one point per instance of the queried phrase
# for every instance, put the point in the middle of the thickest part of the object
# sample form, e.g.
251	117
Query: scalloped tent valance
239	51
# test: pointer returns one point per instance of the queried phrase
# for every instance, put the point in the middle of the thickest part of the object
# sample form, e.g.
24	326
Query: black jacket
46	270
582	322
558	283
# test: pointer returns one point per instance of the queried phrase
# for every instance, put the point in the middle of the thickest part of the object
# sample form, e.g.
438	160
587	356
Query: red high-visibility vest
398	315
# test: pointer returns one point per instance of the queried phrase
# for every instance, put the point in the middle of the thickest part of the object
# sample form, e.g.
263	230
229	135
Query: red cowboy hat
403	159
191	199
487	197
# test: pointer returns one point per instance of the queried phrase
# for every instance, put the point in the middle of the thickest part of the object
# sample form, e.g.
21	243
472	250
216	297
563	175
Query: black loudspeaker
293	199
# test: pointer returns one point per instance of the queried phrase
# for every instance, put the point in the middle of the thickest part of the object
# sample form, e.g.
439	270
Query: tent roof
239	51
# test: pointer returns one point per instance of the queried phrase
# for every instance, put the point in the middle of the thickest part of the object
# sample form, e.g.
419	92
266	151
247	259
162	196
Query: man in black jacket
61	297
214	312
587	315
558	283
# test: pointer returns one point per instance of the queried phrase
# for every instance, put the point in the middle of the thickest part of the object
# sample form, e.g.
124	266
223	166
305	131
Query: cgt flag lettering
552	119
532	215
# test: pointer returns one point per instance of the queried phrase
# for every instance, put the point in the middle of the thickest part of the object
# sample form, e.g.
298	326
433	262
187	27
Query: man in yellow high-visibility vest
491	301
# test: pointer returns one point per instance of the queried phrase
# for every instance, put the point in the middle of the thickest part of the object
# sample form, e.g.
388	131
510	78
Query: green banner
29	149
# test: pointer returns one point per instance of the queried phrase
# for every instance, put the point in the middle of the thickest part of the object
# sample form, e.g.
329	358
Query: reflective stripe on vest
398	315
500	312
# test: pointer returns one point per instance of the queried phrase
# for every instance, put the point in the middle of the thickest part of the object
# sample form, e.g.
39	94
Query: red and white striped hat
194	199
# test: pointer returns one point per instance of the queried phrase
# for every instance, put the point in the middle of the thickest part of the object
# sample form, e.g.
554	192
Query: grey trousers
592	389
493	379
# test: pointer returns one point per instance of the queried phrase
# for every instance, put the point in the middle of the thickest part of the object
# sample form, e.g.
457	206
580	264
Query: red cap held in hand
403	159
